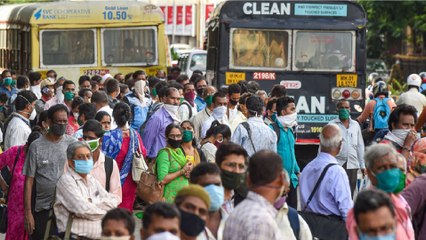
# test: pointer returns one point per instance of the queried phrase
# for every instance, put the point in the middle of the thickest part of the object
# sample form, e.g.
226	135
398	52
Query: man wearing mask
86	111
188	108
235	117
18	128
100	99
138	101
270	111
207	175
201	117
64	95
43	167
161	75
193	203
161	221
283	127
113	91
351	156
80	196
154	133
384	174
200	83
401	133
35	80
8	87
218	113
47	92
254	218
250	132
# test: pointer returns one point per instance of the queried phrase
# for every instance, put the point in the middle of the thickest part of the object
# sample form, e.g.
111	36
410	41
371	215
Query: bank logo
37	15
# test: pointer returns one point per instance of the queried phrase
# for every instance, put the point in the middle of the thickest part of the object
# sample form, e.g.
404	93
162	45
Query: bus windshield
324	51
129	46
259	48
68	47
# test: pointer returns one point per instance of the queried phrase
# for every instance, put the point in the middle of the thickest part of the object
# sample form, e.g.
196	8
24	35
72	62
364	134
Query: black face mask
233	102
191	224
200	91
58	129
231	180
174	143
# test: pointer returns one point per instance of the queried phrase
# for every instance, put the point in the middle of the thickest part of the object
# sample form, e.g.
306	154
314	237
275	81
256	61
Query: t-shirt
45	162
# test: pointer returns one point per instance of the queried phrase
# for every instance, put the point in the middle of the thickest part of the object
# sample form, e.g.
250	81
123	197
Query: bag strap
68	229
293	218
247	127
189	108
13	169
318	184
108	164
277	130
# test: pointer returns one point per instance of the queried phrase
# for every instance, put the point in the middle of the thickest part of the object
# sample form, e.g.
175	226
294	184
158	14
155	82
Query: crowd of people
224	159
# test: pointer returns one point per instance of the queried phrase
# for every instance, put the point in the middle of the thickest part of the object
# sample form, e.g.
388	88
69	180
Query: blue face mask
390	236
217	196
83	166
388	180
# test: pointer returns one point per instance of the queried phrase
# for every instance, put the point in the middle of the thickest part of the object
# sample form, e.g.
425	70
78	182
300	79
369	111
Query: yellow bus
83	37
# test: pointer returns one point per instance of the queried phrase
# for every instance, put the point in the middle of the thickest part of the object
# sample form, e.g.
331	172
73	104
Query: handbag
322	226
150	190
138	164
3	207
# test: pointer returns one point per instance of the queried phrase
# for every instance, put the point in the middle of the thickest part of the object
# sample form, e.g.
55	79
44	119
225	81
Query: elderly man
81	201
384	174
330	195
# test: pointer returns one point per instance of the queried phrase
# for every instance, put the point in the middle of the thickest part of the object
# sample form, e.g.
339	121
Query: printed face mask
93	144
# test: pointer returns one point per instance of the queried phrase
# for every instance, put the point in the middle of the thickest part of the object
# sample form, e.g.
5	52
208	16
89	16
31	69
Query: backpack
108	164
293	218
381	113
189	107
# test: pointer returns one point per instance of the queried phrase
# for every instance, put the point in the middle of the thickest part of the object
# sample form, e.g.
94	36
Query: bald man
333	196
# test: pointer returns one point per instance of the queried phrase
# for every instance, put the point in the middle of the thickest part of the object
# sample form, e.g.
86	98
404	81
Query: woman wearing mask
73	125
14	159
121	144
105	119
215	136
172	167
192	153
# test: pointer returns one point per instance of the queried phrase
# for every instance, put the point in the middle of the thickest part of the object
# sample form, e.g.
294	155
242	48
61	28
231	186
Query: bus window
67	47
324	51
253	48
129	46
198	62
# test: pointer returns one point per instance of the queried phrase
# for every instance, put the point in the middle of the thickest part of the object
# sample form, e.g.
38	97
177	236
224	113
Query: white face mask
289	120
75	114
33	114
219	112
173	111
163	236
116	238
140	87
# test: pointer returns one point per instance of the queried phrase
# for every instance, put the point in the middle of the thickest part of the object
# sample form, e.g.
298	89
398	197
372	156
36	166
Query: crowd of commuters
224	158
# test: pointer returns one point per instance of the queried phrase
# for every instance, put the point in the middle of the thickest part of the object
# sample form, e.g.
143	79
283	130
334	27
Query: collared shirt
154	135
36	90
261	135
198	121
54	101
12	91
353	148
98	172
235	118
253	218
184	112
17	131
285	227
414	98
86	200
333	196
108	109
201	104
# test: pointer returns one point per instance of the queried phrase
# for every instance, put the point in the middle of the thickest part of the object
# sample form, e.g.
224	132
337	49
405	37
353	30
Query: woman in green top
172	167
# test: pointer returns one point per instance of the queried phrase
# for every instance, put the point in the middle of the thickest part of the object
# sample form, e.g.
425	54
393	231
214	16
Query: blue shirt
201	104
154	135
12	91
262	136
333	196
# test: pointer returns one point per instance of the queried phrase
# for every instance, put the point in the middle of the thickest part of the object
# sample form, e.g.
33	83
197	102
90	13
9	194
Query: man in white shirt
413	96
81	201
199	119
218	113
100	99
35	81
18	129
188	108
351	155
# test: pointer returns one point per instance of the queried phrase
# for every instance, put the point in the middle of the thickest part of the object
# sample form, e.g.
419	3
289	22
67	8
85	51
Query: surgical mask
191	224
217	196
116	238
174	143
187	136
7	81
231	180
163	236
289	120
93	144
219	112
402	181
33	114
68	96
58	129
390	236
83	166
388	180
208	100
343	114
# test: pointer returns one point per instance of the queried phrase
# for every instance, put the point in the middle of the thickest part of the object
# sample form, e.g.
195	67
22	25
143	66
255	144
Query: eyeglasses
235	166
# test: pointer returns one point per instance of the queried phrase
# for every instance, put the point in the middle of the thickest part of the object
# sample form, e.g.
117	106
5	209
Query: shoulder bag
322	226
138	164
